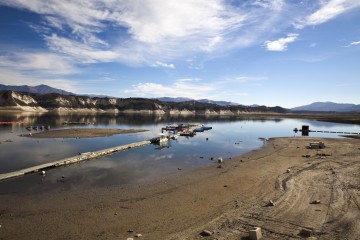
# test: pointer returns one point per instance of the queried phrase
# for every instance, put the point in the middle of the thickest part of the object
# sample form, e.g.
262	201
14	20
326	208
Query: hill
12	100
328	107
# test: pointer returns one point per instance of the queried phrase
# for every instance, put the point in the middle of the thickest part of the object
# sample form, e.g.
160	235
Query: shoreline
227	201
82	132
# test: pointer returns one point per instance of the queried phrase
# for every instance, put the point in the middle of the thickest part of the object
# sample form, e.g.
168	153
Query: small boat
187	133
199	129
206	128
158	140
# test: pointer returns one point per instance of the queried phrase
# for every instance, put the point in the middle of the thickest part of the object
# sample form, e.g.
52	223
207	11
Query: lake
229	137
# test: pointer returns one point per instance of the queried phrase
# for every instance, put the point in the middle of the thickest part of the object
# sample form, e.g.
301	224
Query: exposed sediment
226	201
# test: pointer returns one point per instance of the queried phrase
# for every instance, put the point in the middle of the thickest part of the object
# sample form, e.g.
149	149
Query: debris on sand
306	232
255	233
316	202
205	233
271	203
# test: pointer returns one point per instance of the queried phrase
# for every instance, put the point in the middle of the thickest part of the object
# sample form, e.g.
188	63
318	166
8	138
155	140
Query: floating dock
71	160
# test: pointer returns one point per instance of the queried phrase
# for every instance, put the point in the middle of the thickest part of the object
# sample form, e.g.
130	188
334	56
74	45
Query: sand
226	201
82	132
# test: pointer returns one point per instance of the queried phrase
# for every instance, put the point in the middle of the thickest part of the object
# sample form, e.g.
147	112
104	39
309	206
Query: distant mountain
180	99
177	99
329	107
39	89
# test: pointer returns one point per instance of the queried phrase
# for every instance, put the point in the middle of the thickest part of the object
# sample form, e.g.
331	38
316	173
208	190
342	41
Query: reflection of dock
78	123
71	160
10	123
305	131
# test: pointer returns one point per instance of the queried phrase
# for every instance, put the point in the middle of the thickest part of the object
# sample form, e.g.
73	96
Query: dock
71	160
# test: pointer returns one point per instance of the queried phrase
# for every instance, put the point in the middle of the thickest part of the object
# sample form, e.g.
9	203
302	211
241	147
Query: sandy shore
226	201
82	132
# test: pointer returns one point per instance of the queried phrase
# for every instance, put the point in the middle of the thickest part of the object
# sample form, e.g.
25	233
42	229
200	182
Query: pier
71	160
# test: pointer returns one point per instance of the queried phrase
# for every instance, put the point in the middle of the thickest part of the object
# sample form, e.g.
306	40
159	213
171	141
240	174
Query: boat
158	140
206	128
199	129
187	133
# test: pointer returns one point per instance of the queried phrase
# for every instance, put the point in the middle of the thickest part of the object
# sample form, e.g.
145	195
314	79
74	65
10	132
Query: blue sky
286	53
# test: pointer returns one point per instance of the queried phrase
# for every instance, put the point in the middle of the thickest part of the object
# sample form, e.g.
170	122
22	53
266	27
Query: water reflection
230	136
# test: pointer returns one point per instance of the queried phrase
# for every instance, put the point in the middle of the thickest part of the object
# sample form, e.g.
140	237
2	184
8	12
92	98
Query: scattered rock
306	232
315	202
206	233
255	233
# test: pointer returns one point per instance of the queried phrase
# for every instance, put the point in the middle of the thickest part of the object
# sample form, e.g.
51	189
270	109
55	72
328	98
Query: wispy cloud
353	44
327	11
158	33
44	62
165	65
280	44
191	88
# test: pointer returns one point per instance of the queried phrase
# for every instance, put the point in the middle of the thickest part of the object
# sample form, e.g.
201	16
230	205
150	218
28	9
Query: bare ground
227	201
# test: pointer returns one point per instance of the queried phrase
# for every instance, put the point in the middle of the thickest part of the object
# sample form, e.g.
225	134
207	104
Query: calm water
229	137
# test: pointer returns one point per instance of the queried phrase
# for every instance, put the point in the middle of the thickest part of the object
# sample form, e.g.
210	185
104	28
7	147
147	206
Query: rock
130	231
138	235
220	160
316	201
255	233
288	170
219	166
43	173
271	203
129	239
206	233
306	232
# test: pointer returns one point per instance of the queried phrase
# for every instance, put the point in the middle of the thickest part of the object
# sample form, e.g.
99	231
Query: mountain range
39	89
329	107
313	107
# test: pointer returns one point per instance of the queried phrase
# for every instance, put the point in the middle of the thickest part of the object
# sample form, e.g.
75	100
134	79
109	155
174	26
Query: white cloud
165	65
47	63
354	43
180	88
328	10
140	32
281	43
80	51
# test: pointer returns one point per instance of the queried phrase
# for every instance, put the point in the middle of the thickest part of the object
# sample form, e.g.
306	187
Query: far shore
82	132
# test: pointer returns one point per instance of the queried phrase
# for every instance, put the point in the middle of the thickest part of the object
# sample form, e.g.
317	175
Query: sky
268	52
